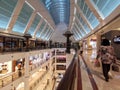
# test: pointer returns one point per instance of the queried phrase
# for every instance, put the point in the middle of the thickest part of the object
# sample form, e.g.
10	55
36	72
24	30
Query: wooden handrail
79	79
68	80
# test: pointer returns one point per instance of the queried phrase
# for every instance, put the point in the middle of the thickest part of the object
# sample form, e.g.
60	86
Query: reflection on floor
113	83
89	57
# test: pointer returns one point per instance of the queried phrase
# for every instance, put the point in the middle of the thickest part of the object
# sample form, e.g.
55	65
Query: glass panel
40	29
75	34
59	10
45	30
88	14
48	37
83	23
106	6
34	24
23	18
6	10
47	33
80	29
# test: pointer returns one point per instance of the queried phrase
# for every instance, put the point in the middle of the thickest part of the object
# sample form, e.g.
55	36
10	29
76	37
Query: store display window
61	67
61	59
93	43
60	52
1	44
37	59
116	39
5	67
20	64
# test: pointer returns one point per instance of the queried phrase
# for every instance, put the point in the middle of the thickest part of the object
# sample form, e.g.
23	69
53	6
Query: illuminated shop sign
116	39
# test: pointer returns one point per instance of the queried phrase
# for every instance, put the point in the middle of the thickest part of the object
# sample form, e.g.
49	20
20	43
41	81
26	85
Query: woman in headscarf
107	56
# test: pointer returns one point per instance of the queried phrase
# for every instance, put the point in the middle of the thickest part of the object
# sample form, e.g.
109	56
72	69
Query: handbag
115	68
97	63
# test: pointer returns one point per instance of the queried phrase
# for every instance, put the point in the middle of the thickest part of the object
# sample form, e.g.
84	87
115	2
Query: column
26	80
51	72
68	34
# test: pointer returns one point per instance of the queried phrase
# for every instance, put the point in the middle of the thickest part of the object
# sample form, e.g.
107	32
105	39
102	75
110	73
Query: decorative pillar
68	34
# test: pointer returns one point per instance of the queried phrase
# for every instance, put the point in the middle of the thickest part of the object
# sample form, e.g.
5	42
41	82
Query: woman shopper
107	56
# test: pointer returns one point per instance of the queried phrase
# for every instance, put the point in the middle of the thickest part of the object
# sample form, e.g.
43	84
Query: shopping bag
110	74
97	63
115	68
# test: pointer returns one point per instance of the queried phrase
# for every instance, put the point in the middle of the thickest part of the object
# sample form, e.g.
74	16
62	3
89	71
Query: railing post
26	81
2	83
12	78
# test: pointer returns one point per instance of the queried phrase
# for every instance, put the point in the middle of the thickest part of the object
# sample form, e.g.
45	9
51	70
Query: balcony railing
38	80
69	80
5	80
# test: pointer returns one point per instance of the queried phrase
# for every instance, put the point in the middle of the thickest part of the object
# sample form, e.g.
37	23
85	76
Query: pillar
26	80
68	34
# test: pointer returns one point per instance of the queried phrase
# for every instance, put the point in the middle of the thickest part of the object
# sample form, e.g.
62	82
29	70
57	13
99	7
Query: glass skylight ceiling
87	30
40	29
6	10
106	6
34	24
75	34
23	18
47	33
88	14
43	32
59	10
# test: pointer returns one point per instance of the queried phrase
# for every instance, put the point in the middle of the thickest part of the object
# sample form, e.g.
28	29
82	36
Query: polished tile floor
114	81
89	57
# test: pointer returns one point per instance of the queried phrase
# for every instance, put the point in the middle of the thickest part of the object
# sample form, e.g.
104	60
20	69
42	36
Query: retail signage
116	39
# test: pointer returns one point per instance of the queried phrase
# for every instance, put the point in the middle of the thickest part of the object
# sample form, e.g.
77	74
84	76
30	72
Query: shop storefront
5	68
93	43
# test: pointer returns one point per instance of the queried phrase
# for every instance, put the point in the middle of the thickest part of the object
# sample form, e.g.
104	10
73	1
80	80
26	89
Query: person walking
107	57
81	49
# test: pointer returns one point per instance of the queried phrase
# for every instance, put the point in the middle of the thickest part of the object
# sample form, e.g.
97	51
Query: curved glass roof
59	10
89	15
